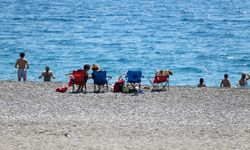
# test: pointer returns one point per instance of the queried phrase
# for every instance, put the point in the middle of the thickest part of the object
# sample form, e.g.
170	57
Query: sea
193	38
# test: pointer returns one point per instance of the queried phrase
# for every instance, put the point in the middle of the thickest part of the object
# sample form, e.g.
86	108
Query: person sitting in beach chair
133	79
161	80
95	67
100	80
79	78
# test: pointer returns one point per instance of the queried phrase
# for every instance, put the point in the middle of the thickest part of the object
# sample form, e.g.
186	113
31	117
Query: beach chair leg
85	88
134	86
99	88
73	87
152	84
94	88
164	86
80	88
155	87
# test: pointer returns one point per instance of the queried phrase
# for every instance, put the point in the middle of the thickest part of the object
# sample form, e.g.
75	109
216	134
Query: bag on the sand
118	86
125	90
61	89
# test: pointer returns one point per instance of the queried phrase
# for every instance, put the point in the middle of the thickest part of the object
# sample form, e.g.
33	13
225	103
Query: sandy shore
34	116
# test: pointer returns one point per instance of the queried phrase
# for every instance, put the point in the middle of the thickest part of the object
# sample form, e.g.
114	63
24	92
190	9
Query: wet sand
34	116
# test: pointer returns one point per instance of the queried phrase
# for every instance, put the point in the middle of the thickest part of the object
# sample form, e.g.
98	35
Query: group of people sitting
226	82
85	75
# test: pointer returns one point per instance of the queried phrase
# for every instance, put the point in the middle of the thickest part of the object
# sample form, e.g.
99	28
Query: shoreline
110	85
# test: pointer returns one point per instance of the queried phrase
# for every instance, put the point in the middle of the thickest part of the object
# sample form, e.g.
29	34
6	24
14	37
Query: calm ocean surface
194	38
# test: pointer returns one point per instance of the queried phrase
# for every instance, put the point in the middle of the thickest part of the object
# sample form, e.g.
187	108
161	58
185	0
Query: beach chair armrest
150	79
109	77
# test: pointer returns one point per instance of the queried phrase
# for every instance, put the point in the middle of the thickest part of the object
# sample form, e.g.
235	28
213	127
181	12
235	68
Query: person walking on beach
201	84
22	65
243	80
47	74
225	82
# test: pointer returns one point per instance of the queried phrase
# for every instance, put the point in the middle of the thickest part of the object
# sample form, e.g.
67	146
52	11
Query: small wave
233	58
17	18
236	21
190	69
122	60
239	59
243	12
202	57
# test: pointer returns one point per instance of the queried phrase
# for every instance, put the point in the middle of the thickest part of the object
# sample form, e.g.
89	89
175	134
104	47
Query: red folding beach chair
161	80
78	79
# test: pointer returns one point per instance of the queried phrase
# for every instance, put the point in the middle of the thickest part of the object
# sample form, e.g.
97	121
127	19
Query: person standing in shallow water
47	74
201	84
22	65
225	82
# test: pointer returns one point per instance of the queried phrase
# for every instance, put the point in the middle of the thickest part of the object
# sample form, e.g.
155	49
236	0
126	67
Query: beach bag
61	89
118	86
125	90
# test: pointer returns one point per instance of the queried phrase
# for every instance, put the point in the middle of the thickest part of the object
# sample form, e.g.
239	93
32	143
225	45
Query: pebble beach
34	116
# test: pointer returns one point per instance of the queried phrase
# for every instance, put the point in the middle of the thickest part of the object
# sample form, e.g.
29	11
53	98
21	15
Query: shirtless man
47	74
22	65
225	82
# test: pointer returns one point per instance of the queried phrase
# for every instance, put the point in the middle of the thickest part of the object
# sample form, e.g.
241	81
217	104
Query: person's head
201	80
170	72
95	67
225	76
86	67
22	54
243	76
47	68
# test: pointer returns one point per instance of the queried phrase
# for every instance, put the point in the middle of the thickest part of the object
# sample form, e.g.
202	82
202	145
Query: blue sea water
194	38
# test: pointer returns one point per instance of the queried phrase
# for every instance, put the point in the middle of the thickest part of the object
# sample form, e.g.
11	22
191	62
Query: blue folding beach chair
134	79
100	80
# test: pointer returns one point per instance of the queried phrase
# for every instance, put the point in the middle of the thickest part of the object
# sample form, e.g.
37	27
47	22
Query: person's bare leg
24	76
18	76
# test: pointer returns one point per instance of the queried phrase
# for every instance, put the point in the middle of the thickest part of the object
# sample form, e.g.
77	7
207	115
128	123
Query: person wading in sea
47	74
22	65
